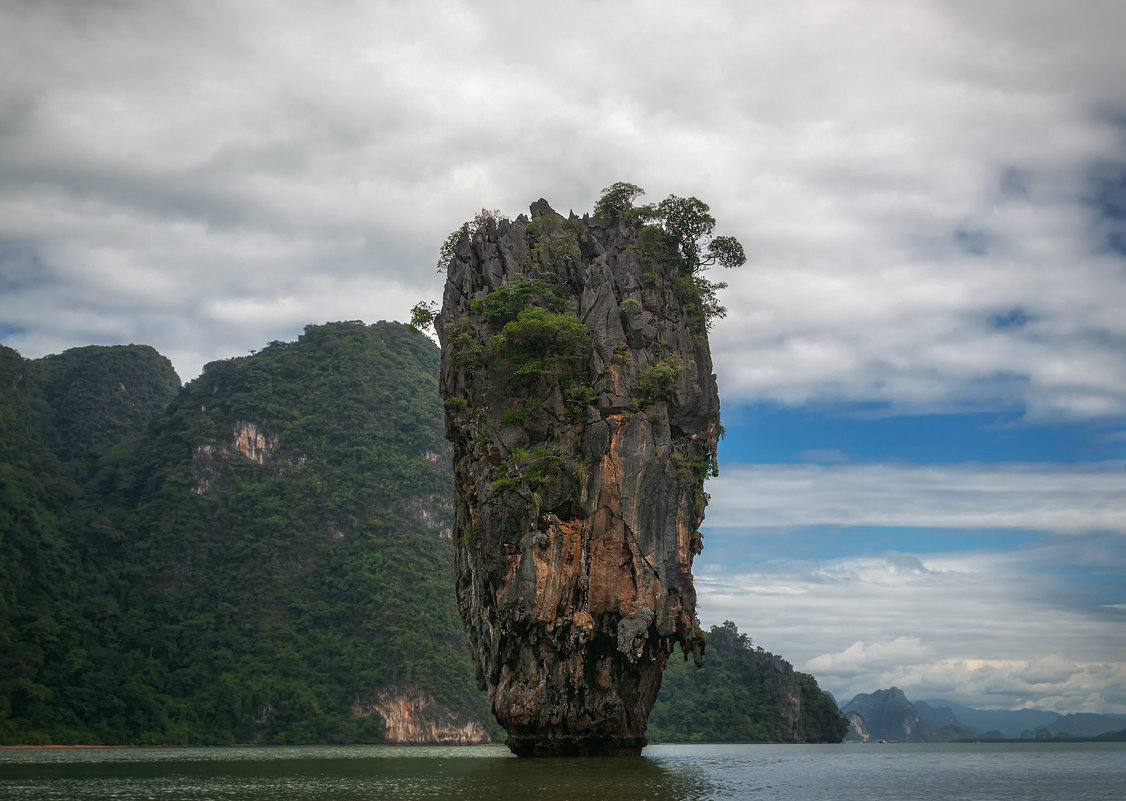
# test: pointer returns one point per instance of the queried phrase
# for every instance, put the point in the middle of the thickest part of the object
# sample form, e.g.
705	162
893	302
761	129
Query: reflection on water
362	772
610	779
1028	772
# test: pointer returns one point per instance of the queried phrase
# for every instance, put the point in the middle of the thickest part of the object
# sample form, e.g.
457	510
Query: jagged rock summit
584	417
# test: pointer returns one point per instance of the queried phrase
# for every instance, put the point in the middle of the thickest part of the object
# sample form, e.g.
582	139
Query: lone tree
617	200
687	220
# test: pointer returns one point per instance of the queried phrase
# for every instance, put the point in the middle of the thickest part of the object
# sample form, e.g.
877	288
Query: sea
846	772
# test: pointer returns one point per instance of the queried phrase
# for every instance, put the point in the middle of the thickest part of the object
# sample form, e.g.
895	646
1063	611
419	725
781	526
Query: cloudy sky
922	368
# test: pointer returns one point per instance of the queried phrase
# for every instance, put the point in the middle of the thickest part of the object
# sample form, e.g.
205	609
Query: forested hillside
264	556
742	694
58	597
267	559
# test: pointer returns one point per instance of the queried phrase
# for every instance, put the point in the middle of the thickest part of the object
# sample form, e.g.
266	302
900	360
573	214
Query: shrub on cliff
537	341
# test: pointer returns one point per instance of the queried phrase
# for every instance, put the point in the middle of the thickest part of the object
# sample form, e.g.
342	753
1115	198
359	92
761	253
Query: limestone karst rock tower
584	417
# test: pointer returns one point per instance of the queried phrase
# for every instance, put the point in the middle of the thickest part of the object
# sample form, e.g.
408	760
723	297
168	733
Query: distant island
888	716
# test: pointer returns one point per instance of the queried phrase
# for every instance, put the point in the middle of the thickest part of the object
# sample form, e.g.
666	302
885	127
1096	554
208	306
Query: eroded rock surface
414	717
584	416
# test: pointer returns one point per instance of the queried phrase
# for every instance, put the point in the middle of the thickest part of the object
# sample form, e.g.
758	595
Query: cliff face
412	716
584	416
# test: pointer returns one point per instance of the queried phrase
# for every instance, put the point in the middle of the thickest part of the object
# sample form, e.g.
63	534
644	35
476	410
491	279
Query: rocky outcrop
412	716
858	728
888	715
254	441
584	416
251	440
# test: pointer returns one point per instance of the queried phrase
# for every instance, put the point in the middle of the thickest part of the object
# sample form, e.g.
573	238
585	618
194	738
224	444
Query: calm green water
1059	772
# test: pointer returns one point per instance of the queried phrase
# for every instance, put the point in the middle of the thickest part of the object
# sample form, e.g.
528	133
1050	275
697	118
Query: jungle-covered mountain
262	556
742	694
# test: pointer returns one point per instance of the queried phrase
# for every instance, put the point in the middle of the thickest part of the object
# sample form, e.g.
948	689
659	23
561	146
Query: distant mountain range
888	715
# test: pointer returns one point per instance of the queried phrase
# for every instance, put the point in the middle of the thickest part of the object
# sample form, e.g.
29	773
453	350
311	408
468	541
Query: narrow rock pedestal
584	417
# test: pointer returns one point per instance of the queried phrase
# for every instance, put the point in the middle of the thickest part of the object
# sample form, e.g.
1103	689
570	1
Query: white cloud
990	629
901	176
1041	497
985	627
823	456
1004	684
1051	669
861	659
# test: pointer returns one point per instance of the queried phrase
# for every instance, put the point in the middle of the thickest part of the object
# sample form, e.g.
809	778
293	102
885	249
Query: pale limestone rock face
249	439
856	723
578	495
253	441
412	716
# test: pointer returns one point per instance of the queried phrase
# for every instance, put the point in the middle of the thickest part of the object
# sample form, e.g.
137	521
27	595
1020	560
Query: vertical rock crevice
584	416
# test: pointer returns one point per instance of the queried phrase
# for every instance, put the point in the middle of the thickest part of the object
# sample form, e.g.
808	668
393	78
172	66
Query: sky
923	364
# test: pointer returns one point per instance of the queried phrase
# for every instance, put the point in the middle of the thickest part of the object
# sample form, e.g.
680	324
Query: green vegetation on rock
535	342
63	675
659	381
677	236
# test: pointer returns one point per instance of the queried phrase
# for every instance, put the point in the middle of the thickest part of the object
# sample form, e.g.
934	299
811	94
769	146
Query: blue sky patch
1107	201
731	547
765	433
7	330
1013	318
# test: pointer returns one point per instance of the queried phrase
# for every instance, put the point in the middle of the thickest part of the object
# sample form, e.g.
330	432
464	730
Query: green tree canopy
686	220
617	200
162	581
741	694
